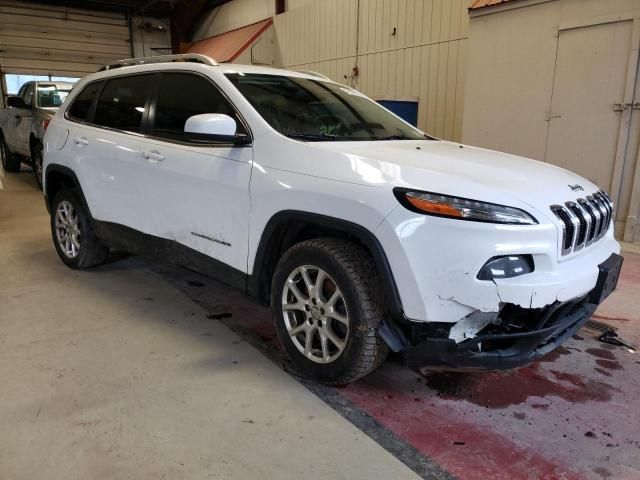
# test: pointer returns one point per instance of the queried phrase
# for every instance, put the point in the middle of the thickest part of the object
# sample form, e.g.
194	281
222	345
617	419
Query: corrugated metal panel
227	46
42	39
487	3
406	49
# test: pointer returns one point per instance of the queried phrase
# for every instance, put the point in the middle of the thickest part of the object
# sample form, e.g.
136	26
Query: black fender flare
268	244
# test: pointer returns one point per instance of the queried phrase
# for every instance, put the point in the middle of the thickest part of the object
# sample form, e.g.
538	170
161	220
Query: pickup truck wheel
10	162
36	163
72	232
327	304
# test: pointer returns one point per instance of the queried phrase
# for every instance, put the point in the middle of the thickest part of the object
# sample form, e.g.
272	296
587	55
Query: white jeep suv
363	233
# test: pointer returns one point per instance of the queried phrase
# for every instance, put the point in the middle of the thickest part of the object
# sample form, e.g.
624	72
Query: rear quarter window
81	106
123	101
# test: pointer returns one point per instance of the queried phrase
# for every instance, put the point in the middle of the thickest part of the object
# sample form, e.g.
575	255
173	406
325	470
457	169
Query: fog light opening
506	266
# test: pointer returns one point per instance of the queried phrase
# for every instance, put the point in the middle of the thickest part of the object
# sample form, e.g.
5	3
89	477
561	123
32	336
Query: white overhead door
47	40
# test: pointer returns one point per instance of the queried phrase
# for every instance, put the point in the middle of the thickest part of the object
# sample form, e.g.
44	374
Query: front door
195	194
20	120
589	127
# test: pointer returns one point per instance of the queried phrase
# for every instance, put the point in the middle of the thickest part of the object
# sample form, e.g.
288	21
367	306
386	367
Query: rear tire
10	162
36	163
327	302
72	232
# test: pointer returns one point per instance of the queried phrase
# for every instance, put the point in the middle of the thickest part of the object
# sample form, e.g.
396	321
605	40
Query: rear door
106	147
195	194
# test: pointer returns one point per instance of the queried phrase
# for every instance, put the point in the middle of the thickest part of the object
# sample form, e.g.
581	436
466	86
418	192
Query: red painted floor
573	415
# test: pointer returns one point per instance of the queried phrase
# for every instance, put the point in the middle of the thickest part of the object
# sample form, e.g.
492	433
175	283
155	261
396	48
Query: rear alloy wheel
327	304
36	163
72	232
10	162
67	229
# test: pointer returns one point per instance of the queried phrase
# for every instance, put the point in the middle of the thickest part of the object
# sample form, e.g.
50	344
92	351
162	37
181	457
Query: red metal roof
487	3
227	46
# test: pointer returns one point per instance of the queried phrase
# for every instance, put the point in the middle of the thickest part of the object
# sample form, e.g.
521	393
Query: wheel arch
57	178
286	228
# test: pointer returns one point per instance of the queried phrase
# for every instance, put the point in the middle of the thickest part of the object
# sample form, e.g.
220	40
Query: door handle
80	141
153	156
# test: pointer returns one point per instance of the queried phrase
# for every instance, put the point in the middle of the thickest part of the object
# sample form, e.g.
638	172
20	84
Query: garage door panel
43	39
62	13
23	65
70	26
71	47
30	31
33	55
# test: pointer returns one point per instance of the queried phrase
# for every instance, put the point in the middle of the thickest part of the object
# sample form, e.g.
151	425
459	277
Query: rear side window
122	102
81	105
182	95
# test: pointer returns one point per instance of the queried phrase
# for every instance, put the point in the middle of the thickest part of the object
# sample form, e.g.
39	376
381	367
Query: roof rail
315	74
183	57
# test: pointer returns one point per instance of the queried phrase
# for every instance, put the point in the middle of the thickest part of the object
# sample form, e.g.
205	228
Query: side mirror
213	127
16	102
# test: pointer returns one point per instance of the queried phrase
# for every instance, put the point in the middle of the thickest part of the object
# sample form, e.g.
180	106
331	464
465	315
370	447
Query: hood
463	171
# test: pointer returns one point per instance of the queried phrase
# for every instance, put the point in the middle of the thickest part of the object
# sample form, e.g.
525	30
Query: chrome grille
584	221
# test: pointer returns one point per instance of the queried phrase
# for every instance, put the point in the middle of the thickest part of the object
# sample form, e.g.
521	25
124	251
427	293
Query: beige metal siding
424	60
43	39
543	78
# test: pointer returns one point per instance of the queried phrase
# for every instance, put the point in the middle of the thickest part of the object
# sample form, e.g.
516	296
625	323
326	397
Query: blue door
405	109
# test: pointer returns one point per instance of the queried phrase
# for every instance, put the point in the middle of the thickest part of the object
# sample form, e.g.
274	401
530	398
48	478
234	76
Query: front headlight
461	208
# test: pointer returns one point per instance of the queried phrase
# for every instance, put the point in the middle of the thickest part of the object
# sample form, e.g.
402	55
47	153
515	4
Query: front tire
73	234
327	303
10	162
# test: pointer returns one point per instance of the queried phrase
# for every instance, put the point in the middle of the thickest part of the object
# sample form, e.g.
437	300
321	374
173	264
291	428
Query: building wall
512	65
423	60
232	15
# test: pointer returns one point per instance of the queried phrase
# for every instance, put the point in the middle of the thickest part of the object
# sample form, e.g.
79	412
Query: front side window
51	95
182	95
81	105
122	102
316	110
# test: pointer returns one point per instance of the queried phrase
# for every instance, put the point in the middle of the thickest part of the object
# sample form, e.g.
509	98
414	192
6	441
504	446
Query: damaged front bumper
502	348
520	336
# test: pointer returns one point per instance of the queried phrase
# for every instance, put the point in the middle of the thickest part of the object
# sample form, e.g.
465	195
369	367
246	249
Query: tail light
45	124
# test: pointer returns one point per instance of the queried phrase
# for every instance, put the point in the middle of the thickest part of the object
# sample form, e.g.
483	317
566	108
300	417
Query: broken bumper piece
502	348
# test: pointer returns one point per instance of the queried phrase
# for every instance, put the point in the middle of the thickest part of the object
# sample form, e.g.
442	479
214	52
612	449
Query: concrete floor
114	373
140	370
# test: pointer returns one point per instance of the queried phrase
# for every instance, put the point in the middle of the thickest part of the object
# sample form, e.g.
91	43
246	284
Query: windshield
51	96
315	110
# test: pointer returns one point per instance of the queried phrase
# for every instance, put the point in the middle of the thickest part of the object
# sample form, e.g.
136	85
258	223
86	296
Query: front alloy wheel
315	314
327	305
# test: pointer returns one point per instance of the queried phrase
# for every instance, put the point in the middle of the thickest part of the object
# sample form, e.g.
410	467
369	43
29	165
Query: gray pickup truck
24	121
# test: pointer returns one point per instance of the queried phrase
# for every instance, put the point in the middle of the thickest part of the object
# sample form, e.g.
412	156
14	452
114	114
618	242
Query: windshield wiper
312	136
396	137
